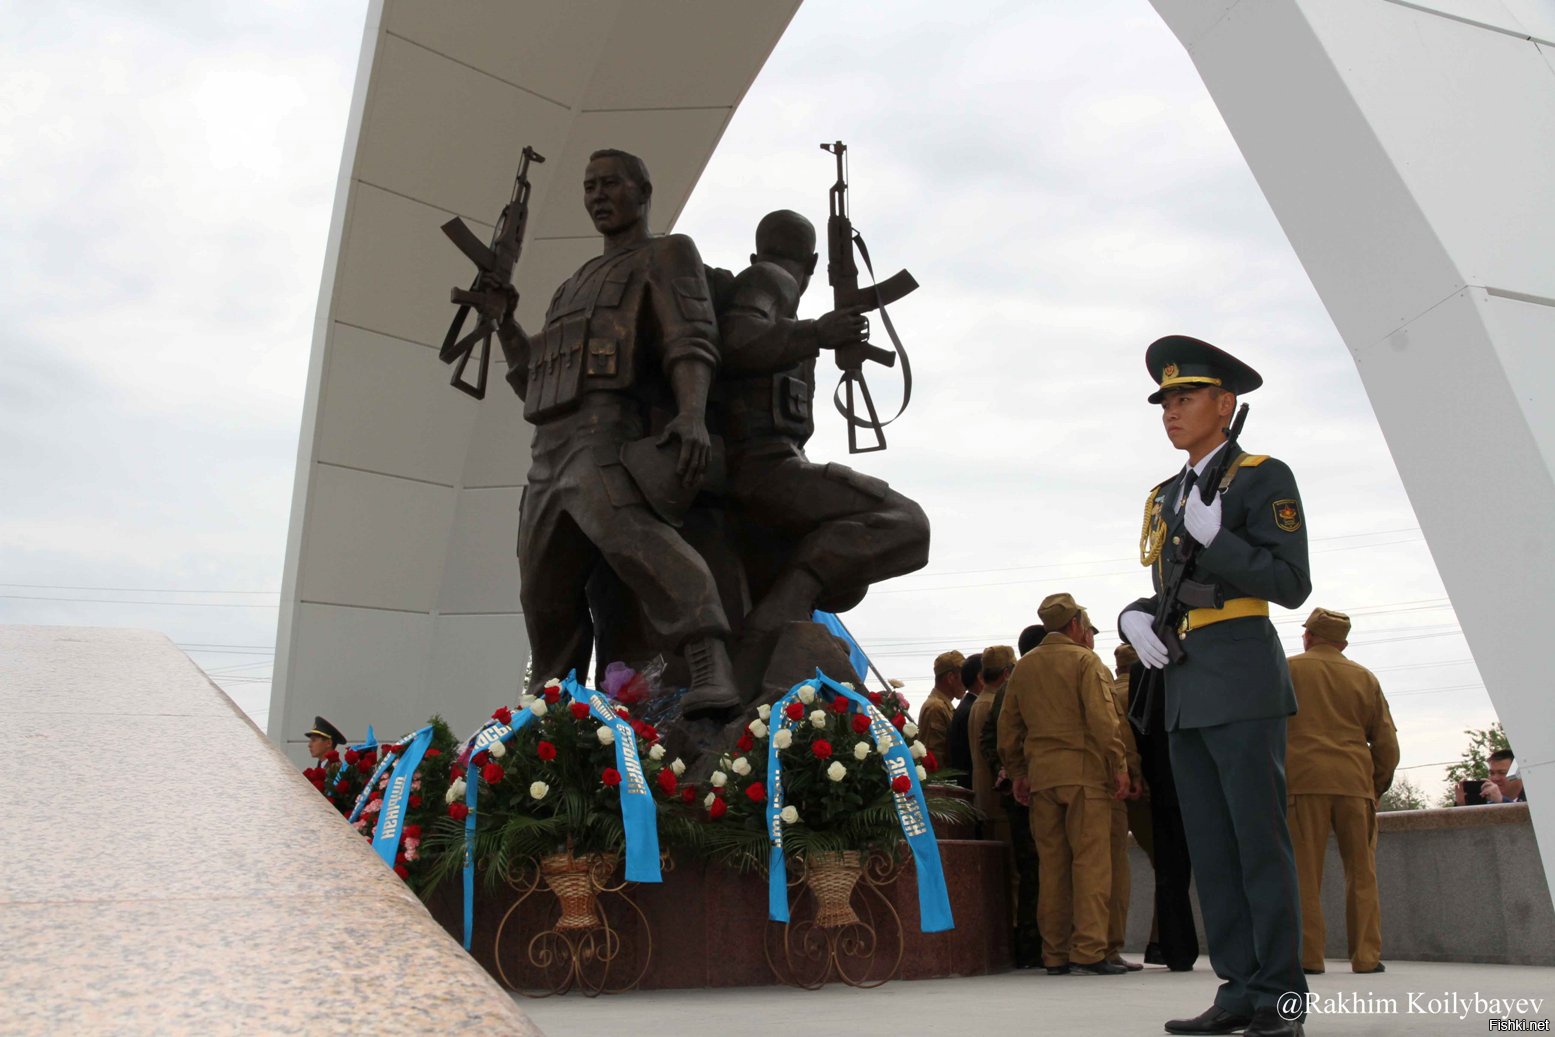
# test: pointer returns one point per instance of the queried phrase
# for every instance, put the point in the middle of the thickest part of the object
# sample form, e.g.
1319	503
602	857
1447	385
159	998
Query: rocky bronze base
709	924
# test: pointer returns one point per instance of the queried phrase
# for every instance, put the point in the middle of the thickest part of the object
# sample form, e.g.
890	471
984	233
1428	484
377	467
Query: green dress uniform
1227	701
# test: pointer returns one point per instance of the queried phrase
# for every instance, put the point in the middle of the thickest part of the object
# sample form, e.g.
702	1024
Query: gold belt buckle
1184	625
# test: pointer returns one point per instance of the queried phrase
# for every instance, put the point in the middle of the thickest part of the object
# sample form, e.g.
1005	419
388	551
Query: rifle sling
896	344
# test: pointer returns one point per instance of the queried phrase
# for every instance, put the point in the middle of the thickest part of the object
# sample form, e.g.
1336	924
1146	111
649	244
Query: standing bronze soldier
630	335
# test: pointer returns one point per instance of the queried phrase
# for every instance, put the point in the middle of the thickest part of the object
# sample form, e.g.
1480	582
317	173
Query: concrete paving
1023	1003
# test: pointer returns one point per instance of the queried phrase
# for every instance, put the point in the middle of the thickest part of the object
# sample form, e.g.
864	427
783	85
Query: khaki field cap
1328	624
947	661
998	657
1057	610
1125	656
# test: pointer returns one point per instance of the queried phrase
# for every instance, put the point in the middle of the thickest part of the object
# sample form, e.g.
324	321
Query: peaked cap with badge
324	729
1184	362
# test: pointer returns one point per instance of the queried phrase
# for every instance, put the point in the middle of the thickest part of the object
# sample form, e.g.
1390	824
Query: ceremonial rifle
490	295
1179	593
842	275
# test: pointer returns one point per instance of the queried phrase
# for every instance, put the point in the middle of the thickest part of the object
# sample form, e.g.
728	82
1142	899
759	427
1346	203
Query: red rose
930	763
650	733
667	781
309	772
746	743
821	748
718	809
402	871
458	811
756	792
352	755
839	705
400	858
546	751
901	783
860	723
688	794
623	713
874	698
376	795
415	801
370	755
364	765
493	773
794	710
579	709
503	715
553	695
333	756
412	832
899	721
612	777
433	752
480	759
456	771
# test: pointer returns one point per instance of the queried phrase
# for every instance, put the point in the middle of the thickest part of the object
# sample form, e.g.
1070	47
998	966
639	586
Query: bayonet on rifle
842	275
486	296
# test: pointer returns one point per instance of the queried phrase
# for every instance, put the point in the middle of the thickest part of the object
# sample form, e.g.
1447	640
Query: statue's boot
713	689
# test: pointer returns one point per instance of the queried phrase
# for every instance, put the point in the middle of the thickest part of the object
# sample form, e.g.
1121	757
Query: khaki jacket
1130	747
984	768
934	724
1342	742
1059	725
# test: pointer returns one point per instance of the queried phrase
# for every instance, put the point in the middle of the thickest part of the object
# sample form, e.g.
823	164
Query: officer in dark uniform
630	336
1227	701
838	530
323	738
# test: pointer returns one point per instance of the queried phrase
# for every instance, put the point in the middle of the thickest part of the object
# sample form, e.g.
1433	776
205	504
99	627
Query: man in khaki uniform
1059	741
1340	753
935	714
1125	813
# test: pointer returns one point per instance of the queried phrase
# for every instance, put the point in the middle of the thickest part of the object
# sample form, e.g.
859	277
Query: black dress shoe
1311	972
1058	970
1216	1020
1378	968
1096	968
1154	955
1131	966
1267	1022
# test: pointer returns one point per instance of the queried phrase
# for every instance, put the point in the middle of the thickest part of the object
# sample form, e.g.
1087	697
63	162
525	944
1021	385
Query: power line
128	590
117	601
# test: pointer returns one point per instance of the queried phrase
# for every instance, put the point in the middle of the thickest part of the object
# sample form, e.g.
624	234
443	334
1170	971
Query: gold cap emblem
1169	371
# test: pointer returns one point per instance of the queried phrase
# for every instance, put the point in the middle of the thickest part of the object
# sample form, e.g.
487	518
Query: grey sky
1054	174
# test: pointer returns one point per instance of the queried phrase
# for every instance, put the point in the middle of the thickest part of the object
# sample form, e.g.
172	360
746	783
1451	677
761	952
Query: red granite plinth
708	924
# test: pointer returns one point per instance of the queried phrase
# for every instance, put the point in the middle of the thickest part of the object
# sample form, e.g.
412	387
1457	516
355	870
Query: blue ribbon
856	657
391	818
384	761
912	812
639	813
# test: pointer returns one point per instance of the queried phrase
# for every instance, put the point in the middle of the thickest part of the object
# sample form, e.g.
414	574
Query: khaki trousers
1071	826
1117	901
1353	820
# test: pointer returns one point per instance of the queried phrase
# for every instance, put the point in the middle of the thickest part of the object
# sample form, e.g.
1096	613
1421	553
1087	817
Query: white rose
790	815
606	735
923	775
720	779
656	753
708	800
757	729
849	686
782	738
456	790
885	743
497	750
918	749
764	712
860	750
678	767
818	718
910	729
742	766
807	693
836	772
539	790
538	707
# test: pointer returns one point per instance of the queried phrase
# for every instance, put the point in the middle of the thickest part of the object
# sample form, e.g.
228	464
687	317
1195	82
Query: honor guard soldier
1341	750
1227	699
939	708
1060	743
323	737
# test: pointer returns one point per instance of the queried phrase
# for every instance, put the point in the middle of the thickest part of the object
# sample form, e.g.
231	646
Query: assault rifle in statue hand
491	295
1179	592
842	275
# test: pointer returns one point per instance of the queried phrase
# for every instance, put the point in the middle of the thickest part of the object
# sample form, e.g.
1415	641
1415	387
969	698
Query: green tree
1476	757
1404	795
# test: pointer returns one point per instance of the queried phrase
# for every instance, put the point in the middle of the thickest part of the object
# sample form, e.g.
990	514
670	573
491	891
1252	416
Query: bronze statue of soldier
632	334
817	535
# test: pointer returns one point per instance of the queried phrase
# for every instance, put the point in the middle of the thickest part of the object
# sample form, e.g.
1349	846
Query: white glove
1202	520
1135	626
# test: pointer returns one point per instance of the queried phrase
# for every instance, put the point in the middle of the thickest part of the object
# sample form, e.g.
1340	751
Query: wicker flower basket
571	879
832	877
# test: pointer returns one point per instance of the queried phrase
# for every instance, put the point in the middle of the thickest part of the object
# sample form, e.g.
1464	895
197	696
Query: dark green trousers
1231	787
